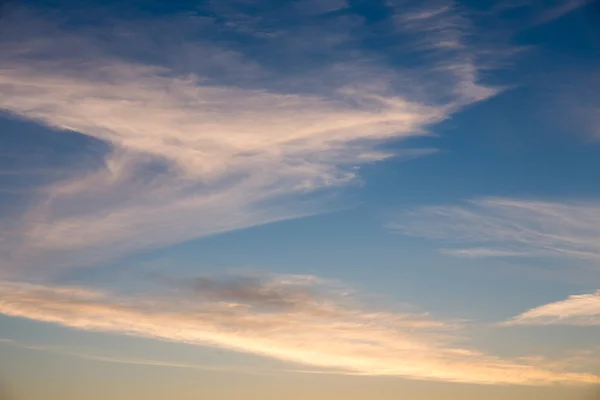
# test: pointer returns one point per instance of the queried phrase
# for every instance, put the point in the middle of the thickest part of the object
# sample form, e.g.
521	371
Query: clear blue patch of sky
33	156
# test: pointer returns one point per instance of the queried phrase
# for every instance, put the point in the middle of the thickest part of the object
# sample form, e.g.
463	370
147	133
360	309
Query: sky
327	199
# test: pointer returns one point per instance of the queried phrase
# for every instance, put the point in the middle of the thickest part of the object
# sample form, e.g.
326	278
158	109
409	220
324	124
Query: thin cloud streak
501	227
582	310
88	355
292	319
504	227
559	10
443	30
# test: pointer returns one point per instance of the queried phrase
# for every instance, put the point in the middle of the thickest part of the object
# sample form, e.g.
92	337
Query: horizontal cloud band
291	318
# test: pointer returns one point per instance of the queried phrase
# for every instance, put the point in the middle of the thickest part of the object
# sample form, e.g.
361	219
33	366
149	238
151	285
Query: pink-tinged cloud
198	154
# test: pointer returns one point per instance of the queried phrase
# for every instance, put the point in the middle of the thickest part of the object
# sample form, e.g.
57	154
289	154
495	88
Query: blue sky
334	195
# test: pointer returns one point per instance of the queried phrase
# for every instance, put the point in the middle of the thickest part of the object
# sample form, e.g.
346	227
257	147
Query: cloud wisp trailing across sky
493	227
582	310
298	319
198	152
221	152
92	354
504	227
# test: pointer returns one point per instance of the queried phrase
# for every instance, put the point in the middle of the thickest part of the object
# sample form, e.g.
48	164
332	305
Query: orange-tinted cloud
295	319
581	309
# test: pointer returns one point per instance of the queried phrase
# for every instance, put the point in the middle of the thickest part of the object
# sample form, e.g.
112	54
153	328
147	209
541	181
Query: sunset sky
299	199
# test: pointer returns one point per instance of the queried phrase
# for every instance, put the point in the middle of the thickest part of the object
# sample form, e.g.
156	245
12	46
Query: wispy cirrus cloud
492	227
559	9
504	227
93	355
543	11
582	310
200	142
579	101
298	319
193	160
444	31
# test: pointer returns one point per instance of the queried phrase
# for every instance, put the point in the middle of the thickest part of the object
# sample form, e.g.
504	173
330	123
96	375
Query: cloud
446	32
587	359
154	363
288	294
581	106
296	319
559	9
504	227
191	160
91	354
581	310
496	227
542	11
204	150
228	369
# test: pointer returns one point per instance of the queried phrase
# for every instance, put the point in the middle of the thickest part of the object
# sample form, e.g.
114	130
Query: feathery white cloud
192	155
581	310
219	152
510	227
296	319
503	227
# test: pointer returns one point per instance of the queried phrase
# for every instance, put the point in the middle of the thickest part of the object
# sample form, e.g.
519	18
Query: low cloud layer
290	318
